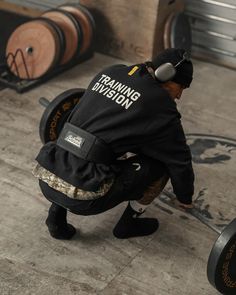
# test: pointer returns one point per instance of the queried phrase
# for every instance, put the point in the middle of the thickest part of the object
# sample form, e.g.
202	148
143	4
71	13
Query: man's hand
183	207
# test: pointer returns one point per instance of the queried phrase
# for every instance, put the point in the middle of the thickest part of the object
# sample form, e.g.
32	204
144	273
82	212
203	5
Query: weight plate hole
30	50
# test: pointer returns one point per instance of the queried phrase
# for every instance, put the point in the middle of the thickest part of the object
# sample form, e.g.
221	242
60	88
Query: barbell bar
221	266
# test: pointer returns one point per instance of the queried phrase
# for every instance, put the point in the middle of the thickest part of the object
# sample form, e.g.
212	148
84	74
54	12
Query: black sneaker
130	225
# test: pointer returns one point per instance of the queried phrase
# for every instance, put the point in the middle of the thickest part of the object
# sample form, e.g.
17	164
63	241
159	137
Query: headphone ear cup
165	72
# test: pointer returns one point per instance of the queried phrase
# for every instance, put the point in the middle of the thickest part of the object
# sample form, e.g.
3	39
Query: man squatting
131	111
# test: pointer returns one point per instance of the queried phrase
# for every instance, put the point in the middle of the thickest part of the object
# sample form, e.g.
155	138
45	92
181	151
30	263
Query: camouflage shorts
71	191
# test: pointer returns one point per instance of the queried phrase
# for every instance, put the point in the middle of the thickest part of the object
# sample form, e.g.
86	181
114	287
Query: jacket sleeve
170	148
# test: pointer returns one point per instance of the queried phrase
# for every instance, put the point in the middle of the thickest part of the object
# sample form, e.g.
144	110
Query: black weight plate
71	29
84	21
180	32
167	28
89	16
60	34
57	112
221	267
79	31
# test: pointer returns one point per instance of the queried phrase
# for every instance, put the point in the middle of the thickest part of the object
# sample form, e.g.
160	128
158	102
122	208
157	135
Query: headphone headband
184	58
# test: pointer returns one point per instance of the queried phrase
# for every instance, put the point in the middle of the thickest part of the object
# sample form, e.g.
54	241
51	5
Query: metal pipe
24	62
13	62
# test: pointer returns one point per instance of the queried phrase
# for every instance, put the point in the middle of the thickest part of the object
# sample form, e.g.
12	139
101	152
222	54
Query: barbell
221	266
56	113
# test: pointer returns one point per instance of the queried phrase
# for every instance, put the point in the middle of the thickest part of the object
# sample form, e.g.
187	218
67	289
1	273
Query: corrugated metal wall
42	5
213	25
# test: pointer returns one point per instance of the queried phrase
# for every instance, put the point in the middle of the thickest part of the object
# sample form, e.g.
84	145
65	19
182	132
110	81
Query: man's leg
57	223
150	194
130	225
57	217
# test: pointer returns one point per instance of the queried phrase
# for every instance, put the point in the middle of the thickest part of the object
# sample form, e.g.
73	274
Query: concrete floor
172	261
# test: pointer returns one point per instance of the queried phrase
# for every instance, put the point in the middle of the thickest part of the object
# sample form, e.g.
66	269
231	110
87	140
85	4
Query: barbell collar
44	101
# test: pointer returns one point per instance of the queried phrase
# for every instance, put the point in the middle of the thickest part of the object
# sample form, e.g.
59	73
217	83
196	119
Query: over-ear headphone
166	71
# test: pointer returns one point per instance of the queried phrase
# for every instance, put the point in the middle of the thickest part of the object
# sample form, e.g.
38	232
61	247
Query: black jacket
129	110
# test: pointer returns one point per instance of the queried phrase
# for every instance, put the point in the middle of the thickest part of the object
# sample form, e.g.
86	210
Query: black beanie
184	72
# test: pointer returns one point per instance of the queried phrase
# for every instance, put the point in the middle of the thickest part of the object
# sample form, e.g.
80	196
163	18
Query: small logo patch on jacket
134	69
74	139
